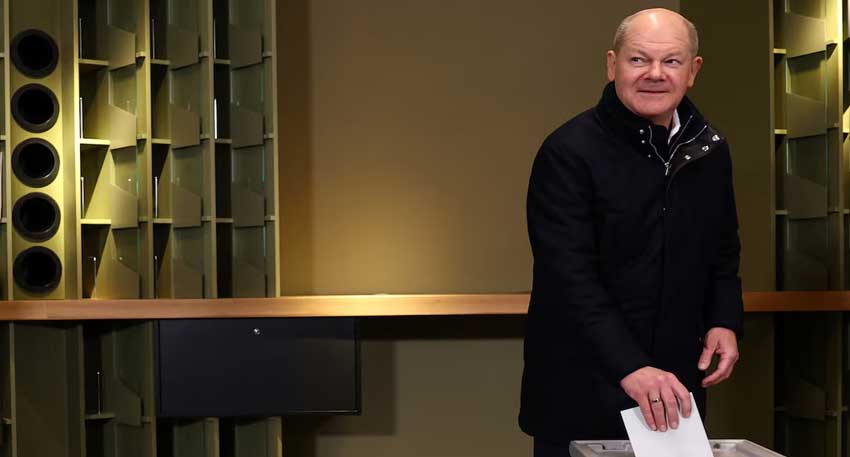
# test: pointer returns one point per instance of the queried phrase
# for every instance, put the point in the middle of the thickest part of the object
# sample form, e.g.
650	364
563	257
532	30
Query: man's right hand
656	392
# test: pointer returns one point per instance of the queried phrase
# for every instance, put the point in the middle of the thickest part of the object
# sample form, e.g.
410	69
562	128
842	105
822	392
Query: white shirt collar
675	127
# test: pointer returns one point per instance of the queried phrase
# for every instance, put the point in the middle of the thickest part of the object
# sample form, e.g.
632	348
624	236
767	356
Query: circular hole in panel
34	53
35	107
37	270
35	162
36	216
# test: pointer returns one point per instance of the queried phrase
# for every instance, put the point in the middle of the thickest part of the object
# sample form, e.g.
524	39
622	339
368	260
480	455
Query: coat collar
633	128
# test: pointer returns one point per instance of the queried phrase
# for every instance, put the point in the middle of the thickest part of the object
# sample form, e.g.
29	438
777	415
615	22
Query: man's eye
674	61
637	59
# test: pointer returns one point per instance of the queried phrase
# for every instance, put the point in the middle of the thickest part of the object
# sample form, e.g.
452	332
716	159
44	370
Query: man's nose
656	71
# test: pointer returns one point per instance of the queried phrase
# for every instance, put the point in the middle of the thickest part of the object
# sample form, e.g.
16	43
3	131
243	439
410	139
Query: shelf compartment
248	187
161	180
806	117
223	176
162	261
122	46
221	21
251	15
186	117
806	180
224	259
250	278
160	95
183	47
187	263
221	103
803	257
110	262
188	190
246	46
247	128
109	186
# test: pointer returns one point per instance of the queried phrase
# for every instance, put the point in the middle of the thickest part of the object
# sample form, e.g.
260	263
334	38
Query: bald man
633	227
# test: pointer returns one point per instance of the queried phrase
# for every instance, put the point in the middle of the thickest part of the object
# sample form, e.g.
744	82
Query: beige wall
407	130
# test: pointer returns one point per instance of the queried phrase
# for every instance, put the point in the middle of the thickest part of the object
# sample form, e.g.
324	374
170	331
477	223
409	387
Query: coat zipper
670	160
695	157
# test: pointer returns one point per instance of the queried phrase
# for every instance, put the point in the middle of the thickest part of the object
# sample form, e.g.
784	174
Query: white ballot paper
689	440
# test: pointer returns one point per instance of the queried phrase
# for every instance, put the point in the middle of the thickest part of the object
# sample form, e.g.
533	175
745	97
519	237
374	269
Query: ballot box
622	448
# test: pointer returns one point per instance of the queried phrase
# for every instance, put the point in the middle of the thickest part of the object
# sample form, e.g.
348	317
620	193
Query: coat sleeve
726	307
567	279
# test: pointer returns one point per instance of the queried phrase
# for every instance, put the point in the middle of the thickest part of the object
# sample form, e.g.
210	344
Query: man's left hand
724	343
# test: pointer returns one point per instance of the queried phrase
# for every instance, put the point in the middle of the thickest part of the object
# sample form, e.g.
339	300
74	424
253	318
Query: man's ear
696	64
611	58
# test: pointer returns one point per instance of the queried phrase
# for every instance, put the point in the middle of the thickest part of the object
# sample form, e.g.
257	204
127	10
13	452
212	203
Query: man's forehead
653	46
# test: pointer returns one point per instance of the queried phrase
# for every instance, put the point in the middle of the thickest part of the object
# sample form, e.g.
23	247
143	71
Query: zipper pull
667	169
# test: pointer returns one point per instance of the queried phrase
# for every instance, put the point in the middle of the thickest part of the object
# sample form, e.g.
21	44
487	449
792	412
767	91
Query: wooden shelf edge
353	306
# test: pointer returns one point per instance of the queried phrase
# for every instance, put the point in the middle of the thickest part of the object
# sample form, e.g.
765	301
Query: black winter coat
633	263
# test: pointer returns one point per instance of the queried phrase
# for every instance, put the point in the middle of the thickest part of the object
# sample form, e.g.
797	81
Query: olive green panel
835	252
806	117
804	199
811	8
835	168
48	390
122	47
248	280
780	88
807	76
122	128
803	34
249	268
803	256
125	208
248	207
246	47
187	207
94	91
247	127
833	87
111	262
186	281
189	262
185	127
751	384
182	47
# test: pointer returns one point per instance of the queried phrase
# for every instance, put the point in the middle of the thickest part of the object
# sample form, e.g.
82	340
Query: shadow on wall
295	165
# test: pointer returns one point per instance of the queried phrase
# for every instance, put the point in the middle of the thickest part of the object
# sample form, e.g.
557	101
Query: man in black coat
633	227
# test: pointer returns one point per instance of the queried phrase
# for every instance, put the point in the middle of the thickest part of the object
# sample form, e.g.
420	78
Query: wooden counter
354	306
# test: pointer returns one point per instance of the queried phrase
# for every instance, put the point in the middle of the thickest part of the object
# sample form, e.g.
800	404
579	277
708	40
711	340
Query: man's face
654	67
